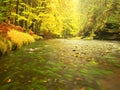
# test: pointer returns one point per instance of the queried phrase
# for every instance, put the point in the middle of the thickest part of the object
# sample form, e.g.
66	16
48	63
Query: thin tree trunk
17	12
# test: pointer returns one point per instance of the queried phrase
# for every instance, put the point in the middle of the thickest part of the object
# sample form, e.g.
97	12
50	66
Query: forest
58	19
59	44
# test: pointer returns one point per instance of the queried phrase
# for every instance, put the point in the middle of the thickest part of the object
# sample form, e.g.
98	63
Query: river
62	64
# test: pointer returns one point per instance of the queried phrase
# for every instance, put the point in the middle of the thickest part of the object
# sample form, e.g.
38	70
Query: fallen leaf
78	79
74	50
83	88
75	83
74	89
9	80
29	81
107	51
5	70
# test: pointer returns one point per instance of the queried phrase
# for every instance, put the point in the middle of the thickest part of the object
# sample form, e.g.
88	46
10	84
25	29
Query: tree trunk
17	12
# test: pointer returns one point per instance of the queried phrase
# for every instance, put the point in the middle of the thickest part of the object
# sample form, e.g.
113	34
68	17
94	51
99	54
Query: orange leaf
78	78
83	88
9	80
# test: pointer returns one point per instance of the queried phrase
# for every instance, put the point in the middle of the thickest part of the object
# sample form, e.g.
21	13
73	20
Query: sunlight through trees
62	18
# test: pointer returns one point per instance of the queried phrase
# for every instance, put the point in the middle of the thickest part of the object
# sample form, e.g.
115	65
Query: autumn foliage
19	28
4	27
13	37
31	32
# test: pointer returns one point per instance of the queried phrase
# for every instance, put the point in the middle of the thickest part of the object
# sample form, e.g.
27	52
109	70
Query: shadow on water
62	64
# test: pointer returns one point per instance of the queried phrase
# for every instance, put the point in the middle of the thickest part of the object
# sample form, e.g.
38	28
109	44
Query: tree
4	9
61	18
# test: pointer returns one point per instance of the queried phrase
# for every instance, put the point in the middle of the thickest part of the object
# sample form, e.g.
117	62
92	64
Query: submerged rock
32	49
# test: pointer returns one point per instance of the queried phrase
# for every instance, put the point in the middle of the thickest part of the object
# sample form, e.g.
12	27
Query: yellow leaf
29	81
9	80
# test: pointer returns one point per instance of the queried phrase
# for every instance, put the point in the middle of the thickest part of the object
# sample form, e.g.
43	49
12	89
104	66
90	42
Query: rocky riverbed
62	64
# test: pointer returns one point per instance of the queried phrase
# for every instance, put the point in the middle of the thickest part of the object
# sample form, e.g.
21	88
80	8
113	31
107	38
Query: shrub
19	28
13	37
36	37
5	45
3	48
19	38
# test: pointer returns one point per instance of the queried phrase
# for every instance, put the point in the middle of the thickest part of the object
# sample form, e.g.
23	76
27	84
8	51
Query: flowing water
62	64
